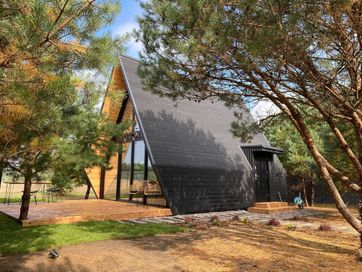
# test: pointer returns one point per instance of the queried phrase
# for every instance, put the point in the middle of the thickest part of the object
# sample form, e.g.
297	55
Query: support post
145	174
119	175
132	154
101	184
1	172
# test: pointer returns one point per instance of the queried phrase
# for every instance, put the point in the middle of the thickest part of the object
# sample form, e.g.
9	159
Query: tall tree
296	158
304	56
42	45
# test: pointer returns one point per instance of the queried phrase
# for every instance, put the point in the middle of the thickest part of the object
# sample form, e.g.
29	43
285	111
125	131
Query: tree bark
25	199
87	192
1	172
304	192
360	236
312	191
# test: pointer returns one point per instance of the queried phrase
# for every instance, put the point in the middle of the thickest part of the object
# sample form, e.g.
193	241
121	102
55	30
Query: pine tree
297	54
44	105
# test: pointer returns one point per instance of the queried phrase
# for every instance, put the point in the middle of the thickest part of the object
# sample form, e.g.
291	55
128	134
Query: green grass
16	239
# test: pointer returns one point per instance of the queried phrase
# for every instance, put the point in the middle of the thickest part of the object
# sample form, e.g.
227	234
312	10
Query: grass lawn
16	239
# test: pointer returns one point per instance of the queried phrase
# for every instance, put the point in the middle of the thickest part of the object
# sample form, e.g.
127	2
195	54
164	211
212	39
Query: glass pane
126	170
139	157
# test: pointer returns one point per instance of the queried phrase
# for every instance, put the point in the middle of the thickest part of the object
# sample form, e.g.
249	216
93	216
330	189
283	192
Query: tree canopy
48	119
304	56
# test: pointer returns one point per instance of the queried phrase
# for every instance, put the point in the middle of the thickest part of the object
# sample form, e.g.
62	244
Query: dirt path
238	247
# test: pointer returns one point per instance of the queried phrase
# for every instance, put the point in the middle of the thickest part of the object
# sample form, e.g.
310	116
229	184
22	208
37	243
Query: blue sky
125	22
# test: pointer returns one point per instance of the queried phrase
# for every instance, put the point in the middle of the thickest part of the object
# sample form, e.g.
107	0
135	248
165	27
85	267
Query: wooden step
270	204
272	210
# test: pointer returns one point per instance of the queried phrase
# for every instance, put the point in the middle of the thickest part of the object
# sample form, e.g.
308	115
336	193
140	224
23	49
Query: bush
189	222
244	220
291	227
214	220
235	218
273	222
325	227
297	217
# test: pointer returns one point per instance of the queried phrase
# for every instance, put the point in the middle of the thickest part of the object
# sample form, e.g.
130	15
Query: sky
125	22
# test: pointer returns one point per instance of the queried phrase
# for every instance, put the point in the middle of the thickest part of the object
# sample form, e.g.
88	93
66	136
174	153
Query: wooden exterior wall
111	110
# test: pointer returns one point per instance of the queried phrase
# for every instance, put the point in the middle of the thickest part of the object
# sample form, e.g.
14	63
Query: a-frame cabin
182	154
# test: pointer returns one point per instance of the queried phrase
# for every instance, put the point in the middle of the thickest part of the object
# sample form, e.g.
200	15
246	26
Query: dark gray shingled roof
183	132
199	163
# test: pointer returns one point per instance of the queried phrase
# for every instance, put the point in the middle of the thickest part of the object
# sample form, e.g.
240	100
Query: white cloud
132	46
263	109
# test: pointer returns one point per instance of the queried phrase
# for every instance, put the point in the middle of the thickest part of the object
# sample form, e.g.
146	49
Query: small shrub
296	217
189	222
291	227
273	222
214	220
235	218
244	220
325	227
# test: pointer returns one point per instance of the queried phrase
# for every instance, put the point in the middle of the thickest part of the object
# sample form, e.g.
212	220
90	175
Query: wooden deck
71	211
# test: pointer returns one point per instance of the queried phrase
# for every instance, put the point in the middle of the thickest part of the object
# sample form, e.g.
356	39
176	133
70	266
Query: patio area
72	211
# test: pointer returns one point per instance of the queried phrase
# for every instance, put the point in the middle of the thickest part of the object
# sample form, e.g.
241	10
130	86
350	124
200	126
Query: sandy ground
235	247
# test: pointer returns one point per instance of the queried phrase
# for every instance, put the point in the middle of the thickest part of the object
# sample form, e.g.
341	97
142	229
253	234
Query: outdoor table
10	187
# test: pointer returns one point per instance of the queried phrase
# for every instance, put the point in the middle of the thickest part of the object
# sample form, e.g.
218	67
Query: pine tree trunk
305	194
360	236
87	192
1	172
25	200
312	193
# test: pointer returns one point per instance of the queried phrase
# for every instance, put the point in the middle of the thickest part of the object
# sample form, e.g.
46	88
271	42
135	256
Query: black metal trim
128	89
132	155
263	148
101	183
119	176
123	108
145	172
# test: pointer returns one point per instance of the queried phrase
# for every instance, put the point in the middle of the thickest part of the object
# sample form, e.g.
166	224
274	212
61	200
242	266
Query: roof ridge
129	57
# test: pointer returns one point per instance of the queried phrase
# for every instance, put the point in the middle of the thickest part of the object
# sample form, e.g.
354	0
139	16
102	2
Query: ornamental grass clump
190	222
214	220
291	227
273	222
325	227
244	220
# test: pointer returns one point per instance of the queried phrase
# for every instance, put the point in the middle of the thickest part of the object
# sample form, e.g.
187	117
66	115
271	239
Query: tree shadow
269	241
199	169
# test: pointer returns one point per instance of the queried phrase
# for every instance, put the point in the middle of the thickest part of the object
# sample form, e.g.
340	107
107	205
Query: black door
261	177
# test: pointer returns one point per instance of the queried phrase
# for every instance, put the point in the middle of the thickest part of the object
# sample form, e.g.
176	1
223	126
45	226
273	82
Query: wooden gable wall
111	110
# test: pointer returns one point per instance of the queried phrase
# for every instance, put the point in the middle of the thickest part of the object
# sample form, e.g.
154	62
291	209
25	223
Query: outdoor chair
151	189
51	192
136	190
33	194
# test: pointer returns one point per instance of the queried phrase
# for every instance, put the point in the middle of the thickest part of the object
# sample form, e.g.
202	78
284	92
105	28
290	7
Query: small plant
273	222
297	217
291	227
235	218
325	227
214	220
189	222
244	220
